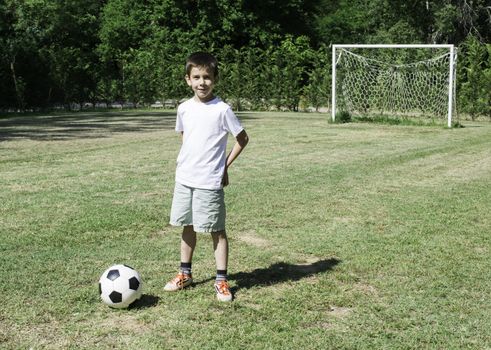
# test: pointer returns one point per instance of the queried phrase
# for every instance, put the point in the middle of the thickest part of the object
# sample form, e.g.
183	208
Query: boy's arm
241	142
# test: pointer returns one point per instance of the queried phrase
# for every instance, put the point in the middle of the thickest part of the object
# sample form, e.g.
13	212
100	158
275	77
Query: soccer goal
394	80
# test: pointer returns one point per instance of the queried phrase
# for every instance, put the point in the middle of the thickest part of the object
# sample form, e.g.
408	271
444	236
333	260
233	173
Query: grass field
343	236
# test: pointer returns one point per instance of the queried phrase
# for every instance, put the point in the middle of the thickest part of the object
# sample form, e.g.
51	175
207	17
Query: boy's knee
219	235
188	231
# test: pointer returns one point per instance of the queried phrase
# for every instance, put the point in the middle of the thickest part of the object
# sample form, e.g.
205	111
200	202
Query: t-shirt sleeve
231	123
179	125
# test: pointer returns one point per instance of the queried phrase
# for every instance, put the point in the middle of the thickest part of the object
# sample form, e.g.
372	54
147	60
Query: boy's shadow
278	273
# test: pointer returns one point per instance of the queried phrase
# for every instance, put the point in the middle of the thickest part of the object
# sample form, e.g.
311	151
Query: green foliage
343	117
342	21
318	90
399	32
474	88
24	27
273	54
406	121
446	19
246	79
288	65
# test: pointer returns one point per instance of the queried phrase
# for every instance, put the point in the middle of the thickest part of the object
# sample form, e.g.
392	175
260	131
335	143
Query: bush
474	78
343	117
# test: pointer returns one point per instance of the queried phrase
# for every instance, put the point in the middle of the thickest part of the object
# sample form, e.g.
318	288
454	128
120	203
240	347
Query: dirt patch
124	323
339	311
44	335
471	169
158	234
481	250
365	288
251	238
308	260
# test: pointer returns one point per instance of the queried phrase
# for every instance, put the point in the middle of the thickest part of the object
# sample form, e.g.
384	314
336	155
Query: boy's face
202	81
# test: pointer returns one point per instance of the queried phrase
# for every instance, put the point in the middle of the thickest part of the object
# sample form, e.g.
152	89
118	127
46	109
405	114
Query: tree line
273	53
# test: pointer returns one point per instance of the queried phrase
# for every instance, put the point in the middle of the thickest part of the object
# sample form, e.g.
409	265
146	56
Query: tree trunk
18	94
49	97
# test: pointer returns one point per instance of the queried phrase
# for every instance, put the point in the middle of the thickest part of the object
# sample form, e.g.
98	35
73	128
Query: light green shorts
204	209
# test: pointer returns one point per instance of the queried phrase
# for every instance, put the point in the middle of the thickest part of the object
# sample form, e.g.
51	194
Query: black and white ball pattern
120	286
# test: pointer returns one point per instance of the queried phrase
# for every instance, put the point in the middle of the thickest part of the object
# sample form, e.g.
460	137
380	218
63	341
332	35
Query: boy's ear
188	79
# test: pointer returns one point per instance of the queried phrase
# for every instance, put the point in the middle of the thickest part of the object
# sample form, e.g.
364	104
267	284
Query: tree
475	77
318	90
64	51
23	29
70	51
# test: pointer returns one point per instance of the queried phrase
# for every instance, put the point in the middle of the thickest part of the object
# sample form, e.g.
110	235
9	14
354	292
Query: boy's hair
202	59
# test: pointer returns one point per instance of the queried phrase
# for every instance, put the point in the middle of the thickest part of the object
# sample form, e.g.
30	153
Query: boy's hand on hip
242	140
225	178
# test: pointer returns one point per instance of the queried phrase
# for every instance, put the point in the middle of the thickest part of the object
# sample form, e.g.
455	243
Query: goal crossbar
451	68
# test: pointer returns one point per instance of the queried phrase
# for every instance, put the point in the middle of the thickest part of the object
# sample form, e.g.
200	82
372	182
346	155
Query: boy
204	122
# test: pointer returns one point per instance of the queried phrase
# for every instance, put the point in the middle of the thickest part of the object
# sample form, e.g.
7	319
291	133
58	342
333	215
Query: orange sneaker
181	281
223	291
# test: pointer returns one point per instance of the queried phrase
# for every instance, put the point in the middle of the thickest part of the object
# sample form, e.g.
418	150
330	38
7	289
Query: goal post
363	84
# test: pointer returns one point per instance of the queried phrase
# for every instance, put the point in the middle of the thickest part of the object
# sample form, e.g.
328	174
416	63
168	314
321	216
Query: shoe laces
223	287
181	277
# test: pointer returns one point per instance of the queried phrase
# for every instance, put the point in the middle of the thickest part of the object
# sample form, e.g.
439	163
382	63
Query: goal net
394	80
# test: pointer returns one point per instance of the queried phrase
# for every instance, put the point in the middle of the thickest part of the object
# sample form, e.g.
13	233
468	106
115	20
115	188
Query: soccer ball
120	285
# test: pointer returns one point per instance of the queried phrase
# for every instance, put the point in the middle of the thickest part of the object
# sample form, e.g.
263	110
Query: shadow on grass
85	125
277	273
280	272
145	301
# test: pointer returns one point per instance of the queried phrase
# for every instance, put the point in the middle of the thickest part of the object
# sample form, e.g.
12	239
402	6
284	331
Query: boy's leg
188	243
184	277
220	246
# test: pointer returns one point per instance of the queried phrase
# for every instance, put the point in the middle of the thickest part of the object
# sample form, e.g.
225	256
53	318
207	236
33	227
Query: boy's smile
202	81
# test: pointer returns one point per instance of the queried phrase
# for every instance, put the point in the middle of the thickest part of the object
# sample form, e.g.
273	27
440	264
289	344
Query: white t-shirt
201	161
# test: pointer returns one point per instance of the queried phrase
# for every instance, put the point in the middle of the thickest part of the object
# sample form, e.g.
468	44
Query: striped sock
221	275
186	268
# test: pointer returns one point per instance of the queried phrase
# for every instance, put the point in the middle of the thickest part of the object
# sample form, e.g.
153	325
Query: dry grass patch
251	238
339	311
